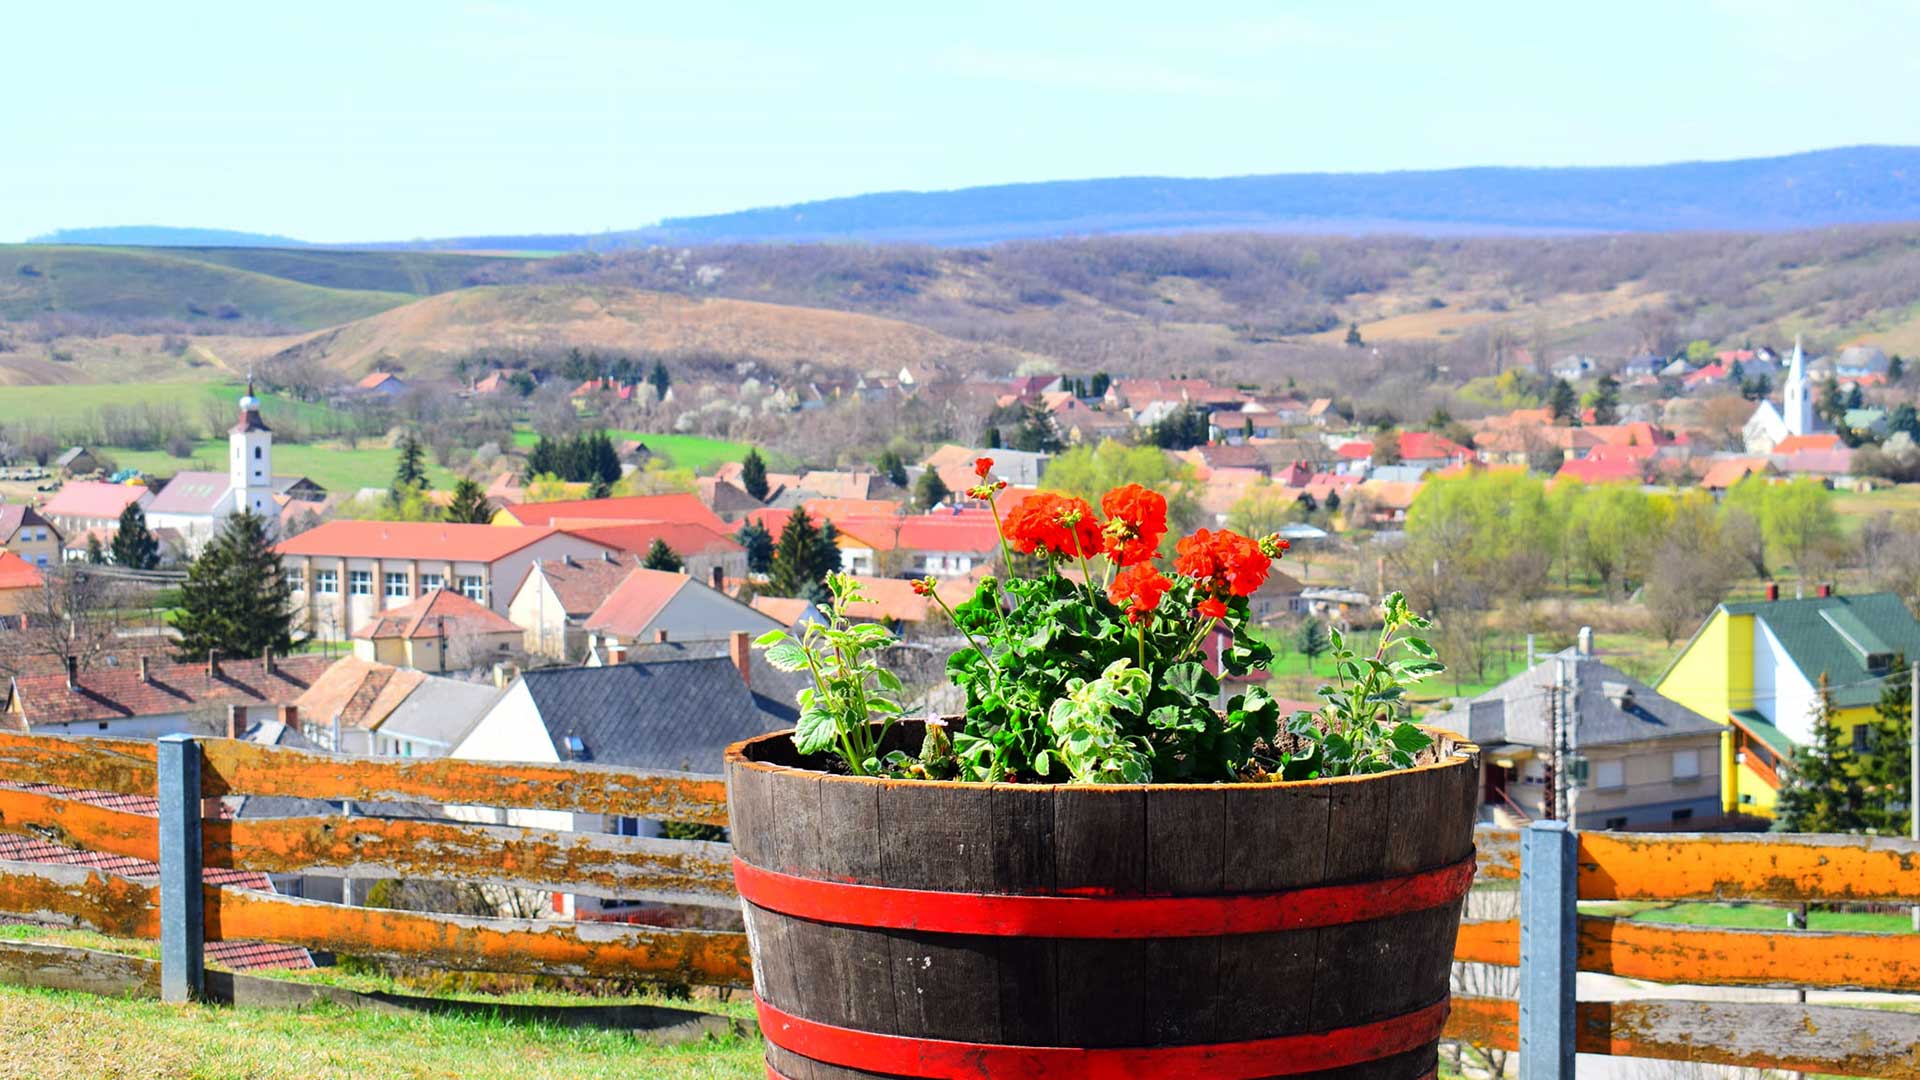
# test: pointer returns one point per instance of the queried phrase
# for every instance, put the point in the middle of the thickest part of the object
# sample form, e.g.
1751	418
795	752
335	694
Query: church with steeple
1769	426
198	504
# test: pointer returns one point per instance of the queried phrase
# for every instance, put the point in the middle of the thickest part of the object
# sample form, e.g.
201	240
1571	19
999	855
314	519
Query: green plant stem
968	634
1197	639
1006	552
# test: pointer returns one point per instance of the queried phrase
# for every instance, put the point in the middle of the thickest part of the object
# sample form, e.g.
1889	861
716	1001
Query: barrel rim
1464	753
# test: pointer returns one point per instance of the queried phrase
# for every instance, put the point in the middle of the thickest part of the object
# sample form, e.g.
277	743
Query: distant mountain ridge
166	236
1849	185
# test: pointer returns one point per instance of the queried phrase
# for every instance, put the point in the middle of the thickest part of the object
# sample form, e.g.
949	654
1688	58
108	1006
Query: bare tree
75	615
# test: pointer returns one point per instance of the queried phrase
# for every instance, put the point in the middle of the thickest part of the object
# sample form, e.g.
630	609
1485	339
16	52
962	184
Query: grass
67	407
331	465
696	452
1754	917
57	1035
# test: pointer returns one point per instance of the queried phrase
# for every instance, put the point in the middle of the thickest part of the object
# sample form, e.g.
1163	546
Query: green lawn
696	452
70	405
332	466
1757	917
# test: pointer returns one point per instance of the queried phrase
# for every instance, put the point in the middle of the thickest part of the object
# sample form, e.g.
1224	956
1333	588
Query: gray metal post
182	915
1913	764
1549	950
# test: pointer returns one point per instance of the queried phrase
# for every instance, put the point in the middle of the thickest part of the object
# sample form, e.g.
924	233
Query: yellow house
440	632
1756	668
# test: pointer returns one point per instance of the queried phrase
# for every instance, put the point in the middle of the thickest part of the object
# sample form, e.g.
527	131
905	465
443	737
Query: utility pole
1560	711
1572	728
1913	765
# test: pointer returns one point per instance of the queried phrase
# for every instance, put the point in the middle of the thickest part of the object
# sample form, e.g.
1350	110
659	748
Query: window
1686	764
1862	739
326	582
1615	824
360	583
1609	774
624	826
294	581
473	587
397	587
430	582
256	453
1685	813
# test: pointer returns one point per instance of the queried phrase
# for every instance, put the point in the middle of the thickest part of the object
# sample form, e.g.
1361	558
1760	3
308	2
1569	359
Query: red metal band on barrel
776	1074
1098	916
941	1059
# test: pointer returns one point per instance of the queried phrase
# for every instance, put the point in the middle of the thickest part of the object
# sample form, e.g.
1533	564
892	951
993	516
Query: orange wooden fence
1611	866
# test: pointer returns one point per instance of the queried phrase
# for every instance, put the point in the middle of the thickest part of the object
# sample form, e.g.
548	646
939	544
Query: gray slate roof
1515	712
678	715
774	690
442	710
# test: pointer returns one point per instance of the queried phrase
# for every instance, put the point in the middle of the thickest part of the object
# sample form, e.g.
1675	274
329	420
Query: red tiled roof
841	509
627	508
1793	444
18	573
784	609
374	380
640	597
92	499
360	692
966	530
1355	451
432	540
109	694
584	584
685	538
1425	445
1725	474
438	614
894	598
1589	470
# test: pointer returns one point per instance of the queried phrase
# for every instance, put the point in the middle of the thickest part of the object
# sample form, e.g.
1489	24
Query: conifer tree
929	491
95	554
660	380
469	505
1312	641
1560	400
753	475
1606	400
802	558
662	557
411	471
235	601
1822	790
1887	771
759	544
133	545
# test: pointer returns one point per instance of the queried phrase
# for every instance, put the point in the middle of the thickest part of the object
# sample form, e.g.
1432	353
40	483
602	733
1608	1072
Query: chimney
290	716
740	648
567	560
616	653
1826	591
266	661
608	556
1586	641
73	670
719	577
144	677
1773	591
236	721
660	636
213	664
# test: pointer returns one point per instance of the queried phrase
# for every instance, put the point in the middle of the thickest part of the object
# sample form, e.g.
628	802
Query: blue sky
357	121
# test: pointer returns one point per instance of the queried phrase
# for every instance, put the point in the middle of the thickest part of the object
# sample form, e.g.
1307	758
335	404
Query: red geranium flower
924	586
1211	608
1061	525
982	466
1136	519
1138	588
1223	562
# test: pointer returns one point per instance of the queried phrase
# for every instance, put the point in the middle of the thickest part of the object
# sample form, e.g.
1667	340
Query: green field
334	467
696	452
1753	917
68	406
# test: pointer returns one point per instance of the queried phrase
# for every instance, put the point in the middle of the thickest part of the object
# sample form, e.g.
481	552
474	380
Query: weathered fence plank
122	766
64	967
1722	866
1488	941
593	864
75	824
1490	1022
520	946
79	897
238	768
1783	1036
1499	853
1707	956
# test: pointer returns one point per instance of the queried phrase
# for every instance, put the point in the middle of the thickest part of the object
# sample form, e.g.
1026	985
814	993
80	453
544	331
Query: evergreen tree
1353	336
1822	790
602	460
1896	368
802	558
411	472
1560	400
1182	429
1831	408
1905	419
235	601
662	557
753	475
469	505
1886	771
759	544
1855	398
95	555
1606	400
893	467
543	459
929	491
133	545
660	380
598	488
993	438
1311	642
1101	381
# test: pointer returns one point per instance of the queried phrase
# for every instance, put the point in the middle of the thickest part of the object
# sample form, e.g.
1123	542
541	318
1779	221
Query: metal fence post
1549	943
182	903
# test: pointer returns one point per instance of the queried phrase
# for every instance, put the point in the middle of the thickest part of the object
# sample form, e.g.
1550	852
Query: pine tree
543	459
1896	368
133	545
660	380
1886	771
1311	642
662	557
598	488
601	460
759	544
469	505
1560	400
993	438
892	466
929	491
235	601
95	555
802	558
753	475
1606	400
411	472
1822	790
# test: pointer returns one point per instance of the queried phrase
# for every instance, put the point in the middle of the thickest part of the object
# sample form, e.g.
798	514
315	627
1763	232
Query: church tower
250	460
1797	404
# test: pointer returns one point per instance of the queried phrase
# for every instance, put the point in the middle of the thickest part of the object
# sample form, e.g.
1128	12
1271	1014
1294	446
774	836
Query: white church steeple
250	460
1797	401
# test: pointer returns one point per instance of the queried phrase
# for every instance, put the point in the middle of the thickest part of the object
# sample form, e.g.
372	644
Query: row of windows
394	586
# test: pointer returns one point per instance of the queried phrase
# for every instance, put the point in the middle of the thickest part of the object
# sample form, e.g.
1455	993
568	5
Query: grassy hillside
419	273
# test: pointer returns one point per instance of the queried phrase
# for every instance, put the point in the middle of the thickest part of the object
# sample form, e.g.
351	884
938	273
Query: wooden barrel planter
1015	932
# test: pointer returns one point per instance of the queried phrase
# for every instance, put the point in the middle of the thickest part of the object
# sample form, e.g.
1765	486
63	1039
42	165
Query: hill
166	236
220	289
428	336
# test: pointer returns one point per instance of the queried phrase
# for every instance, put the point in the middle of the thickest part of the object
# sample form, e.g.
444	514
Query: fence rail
1549	943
